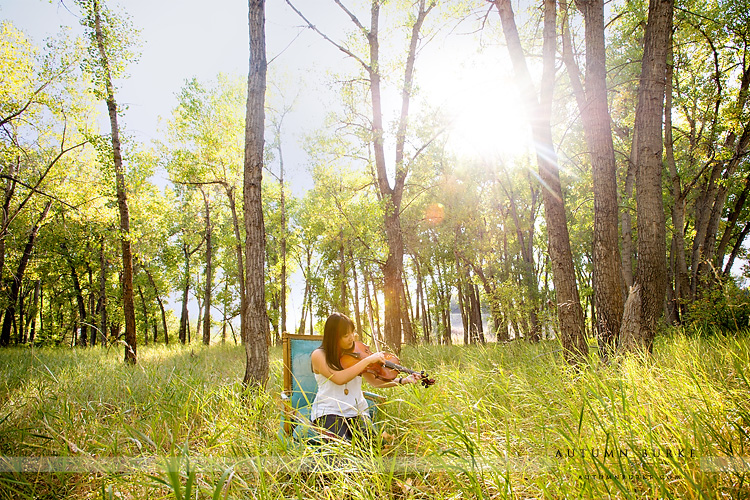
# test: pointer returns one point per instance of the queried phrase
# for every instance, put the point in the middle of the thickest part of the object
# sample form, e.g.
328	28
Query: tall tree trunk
406	323
307	292
651	273
355	285
680	272
240	259
393	266
161	305
343	305
35	310
145	315
736	249
82	317
8	191
102	304
626	218
122	199
526	242
596	123
15	287
256	347
570	314
283	242
390	196
185	290
209	273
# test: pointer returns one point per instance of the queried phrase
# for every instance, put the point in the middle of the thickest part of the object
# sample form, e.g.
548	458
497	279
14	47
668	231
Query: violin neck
394	366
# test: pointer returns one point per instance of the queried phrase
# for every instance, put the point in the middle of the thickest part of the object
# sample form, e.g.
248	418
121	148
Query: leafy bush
722	307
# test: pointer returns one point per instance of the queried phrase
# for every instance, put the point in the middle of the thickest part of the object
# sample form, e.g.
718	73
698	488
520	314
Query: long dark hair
337	325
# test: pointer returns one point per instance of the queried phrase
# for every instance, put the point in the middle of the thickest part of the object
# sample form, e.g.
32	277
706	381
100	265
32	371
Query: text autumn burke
645	453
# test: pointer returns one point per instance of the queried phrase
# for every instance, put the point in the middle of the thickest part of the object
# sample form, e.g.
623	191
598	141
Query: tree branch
325	37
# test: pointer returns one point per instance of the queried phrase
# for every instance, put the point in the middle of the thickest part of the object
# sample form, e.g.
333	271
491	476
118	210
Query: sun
482	101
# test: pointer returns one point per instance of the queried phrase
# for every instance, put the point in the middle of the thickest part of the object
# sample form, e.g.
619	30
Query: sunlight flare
480	98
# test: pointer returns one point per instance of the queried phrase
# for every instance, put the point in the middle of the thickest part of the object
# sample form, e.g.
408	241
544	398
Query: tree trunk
185	290
570	314
35	309
161	306
122	199
15	287
102	303
307	293
651	272
406	323
355	283
145	315
283	243
736	249
681	276
256	347
527	255
209	273
626	218
343	302
82	316
240	260
596	123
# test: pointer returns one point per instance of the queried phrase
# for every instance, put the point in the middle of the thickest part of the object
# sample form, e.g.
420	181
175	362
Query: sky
182	39
186	39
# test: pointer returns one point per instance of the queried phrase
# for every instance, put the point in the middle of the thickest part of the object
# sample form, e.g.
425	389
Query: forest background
472	208
572	171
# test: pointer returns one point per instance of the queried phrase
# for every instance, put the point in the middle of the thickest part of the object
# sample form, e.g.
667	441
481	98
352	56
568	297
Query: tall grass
503	421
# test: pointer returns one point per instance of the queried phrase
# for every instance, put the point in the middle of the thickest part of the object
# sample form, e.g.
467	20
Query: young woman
340	406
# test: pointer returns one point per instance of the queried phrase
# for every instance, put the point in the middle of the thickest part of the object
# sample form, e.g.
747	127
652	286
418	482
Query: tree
594	110
570	314
256	324
391	195
205	150
42	109
651	274
108	36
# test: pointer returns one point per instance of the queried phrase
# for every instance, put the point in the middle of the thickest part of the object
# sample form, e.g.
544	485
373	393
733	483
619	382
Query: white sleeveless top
332	400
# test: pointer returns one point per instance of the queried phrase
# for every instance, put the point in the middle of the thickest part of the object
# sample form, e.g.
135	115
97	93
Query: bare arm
341	377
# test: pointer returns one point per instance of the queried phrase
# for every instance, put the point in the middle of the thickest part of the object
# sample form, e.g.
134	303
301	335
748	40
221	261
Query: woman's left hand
412	379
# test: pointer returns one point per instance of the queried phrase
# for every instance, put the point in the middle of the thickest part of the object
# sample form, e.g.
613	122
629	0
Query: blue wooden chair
300	387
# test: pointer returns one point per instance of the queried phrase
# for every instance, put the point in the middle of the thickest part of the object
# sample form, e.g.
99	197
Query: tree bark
256	347
651	272
209	273
598	132
122	199
102	303
240	264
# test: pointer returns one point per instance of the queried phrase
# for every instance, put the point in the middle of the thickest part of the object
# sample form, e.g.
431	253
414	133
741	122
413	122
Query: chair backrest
299	380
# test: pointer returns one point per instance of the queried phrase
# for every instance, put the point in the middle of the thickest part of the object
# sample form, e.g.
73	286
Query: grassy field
503	421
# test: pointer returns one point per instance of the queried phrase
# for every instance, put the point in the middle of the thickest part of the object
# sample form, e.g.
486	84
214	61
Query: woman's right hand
376	357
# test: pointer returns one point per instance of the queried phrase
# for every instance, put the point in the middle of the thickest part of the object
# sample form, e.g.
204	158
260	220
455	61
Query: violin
388	371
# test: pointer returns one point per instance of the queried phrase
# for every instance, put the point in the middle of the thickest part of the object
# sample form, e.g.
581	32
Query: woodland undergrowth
502	421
